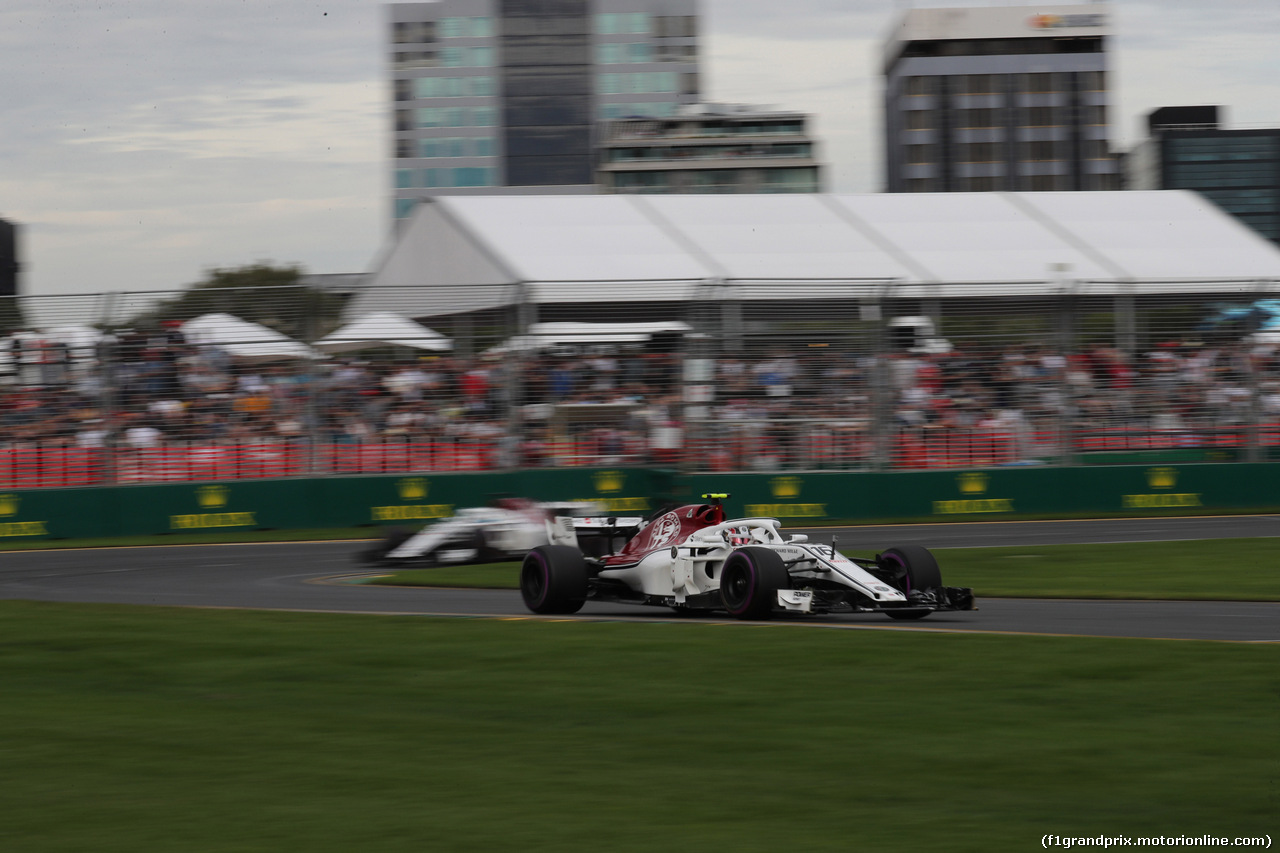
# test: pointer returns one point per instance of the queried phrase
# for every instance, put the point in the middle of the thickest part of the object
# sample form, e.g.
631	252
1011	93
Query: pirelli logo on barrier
9	505
973	487
422	512
1161	482
411	489
785	490
608	483
213	497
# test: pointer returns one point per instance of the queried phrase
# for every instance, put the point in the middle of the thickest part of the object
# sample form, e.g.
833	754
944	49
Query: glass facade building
1238	170
508	93
998	98
710	148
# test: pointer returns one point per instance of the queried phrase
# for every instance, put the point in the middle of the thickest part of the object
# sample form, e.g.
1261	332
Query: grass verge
215	538
1222	569
153	729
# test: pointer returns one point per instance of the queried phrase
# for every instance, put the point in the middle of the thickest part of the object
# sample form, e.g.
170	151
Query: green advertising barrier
991	494
334	502
800	498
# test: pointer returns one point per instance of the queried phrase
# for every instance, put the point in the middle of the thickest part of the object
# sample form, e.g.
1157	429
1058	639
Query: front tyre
553	580
750	580
913	568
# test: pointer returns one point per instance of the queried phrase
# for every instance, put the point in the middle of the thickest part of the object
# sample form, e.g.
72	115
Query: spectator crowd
146	404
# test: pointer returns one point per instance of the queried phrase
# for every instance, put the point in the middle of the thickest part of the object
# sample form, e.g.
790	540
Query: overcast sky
147	141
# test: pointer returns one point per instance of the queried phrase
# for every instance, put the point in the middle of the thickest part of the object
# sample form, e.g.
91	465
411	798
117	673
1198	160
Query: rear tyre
914	568
750	580
553	579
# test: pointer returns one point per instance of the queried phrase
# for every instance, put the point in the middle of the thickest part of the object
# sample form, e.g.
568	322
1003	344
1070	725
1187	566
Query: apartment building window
1042	150
1096	149
920	85
472	176
622	23
404	60
917	154
979	152
466	57
452	87
665	52
675	26
413	32
979	84
1044	82
1093	81
1093	114
1044	117
984	117
921	119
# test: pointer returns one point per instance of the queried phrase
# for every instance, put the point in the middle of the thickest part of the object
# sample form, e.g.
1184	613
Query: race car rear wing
595	535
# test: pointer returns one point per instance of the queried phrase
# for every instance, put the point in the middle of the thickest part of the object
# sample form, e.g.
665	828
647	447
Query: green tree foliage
273	296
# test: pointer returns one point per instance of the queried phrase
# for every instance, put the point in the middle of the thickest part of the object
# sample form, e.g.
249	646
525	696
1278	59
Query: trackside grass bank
129	728
1219	569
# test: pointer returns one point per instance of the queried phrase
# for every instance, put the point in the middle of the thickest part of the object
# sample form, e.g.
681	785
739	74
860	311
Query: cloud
147	140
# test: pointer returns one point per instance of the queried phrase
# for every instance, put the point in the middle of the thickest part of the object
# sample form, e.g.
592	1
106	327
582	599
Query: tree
273	296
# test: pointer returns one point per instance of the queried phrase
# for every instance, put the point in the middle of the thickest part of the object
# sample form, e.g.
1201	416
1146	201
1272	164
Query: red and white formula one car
693	559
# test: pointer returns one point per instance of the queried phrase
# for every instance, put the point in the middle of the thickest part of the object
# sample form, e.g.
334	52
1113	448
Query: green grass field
1234	569
153	729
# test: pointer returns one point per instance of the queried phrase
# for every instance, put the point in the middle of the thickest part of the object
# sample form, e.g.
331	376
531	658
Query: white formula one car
505	531
693	559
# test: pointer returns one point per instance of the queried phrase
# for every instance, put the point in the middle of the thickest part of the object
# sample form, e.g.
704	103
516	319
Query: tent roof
594	248
241	338
383	328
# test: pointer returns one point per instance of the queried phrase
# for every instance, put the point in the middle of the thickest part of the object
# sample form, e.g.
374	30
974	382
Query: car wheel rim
738	586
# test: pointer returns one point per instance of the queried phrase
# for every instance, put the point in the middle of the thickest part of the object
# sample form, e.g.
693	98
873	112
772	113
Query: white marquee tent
242	339
461	253
380	329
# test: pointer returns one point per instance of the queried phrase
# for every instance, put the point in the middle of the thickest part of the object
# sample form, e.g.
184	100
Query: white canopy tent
243	339
468	253
380	329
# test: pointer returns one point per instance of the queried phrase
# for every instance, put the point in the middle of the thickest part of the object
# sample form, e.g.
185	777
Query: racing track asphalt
309	576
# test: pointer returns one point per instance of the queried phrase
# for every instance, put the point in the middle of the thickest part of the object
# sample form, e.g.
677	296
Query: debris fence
740	376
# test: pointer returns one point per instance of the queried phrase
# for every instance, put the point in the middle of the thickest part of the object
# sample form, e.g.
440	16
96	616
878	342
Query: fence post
514	367
108	350
881	393
1066	288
